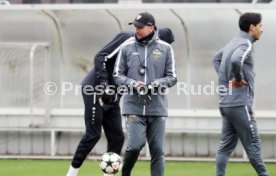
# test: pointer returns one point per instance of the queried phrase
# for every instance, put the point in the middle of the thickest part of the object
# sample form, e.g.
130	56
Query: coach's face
143	31
257	31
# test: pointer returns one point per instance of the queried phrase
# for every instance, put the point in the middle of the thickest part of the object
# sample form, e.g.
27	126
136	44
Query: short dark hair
249	18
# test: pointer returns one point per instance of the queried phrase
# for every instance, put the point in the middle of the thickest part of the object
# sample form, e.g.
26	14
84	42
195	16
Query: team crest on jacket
131	117
156	53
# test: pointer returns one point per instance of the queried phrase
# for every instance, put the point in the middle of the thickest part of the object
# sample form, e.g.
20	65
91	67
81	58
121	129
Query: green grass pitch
91	168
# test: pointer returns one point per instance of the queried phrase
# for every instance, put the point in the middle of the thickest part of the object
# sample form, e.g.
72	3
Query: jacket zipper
145	78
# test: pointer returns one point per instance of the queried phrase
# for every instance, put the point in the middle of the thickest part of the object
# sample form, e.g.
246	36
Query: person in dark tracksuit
145	62
102	110
234	66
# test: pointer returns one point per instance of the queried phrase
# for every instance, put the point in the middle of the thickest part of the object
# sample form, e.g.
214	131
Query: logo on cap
143	19
138	17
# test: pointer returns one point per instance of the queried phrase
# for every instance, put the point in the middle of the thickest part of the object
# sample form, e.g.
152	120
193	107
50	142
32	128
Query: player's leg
136	135
112	125
156	137
92	118
228	142
248	133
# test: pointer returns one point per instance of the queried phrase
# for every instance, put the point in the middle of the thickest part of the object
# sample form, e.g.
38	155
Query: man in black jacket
101	108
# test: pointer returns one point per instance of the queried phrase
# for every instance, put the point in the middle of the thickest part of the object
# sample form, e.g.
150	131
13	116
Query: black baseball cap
143	19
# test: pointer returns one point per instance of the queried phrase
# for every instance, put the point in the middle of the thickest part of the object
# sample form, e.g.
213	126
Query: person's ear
152	28
251	27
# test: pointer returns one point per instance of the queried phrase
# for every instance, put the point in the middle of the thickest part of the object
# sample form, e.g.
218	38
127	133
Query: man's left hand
235	84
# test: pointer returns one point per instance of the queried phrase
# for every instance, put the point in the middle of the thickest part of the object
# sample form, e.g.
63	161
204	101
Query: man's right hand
140	87
138	84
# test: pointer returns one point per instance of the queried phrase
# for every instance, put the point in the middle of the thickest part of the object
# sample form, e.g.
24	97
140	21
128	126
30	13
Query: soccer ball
110	163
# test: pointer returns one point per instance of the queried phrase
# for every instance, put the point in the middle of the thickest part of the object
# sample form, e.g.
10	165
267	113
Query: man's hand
140	88
107	96
235	84
138	84
143	96
153	86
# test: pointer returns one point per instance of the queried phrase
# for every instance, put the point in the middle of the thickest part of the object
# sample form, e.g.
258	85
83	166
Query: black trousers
96	116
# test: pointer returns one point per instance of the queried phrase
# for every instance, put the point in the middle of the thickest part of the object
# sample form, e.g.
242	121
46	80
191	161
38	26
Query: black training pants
96	117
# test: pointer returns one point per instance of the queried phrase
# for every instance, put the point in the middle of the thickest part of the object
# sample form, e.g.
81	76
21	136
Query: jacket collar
247	36
154	38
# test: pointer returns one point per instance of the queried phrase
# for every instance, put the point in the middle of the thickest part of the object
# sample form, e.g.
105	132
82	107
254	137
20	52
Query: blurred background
133	1
55	41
